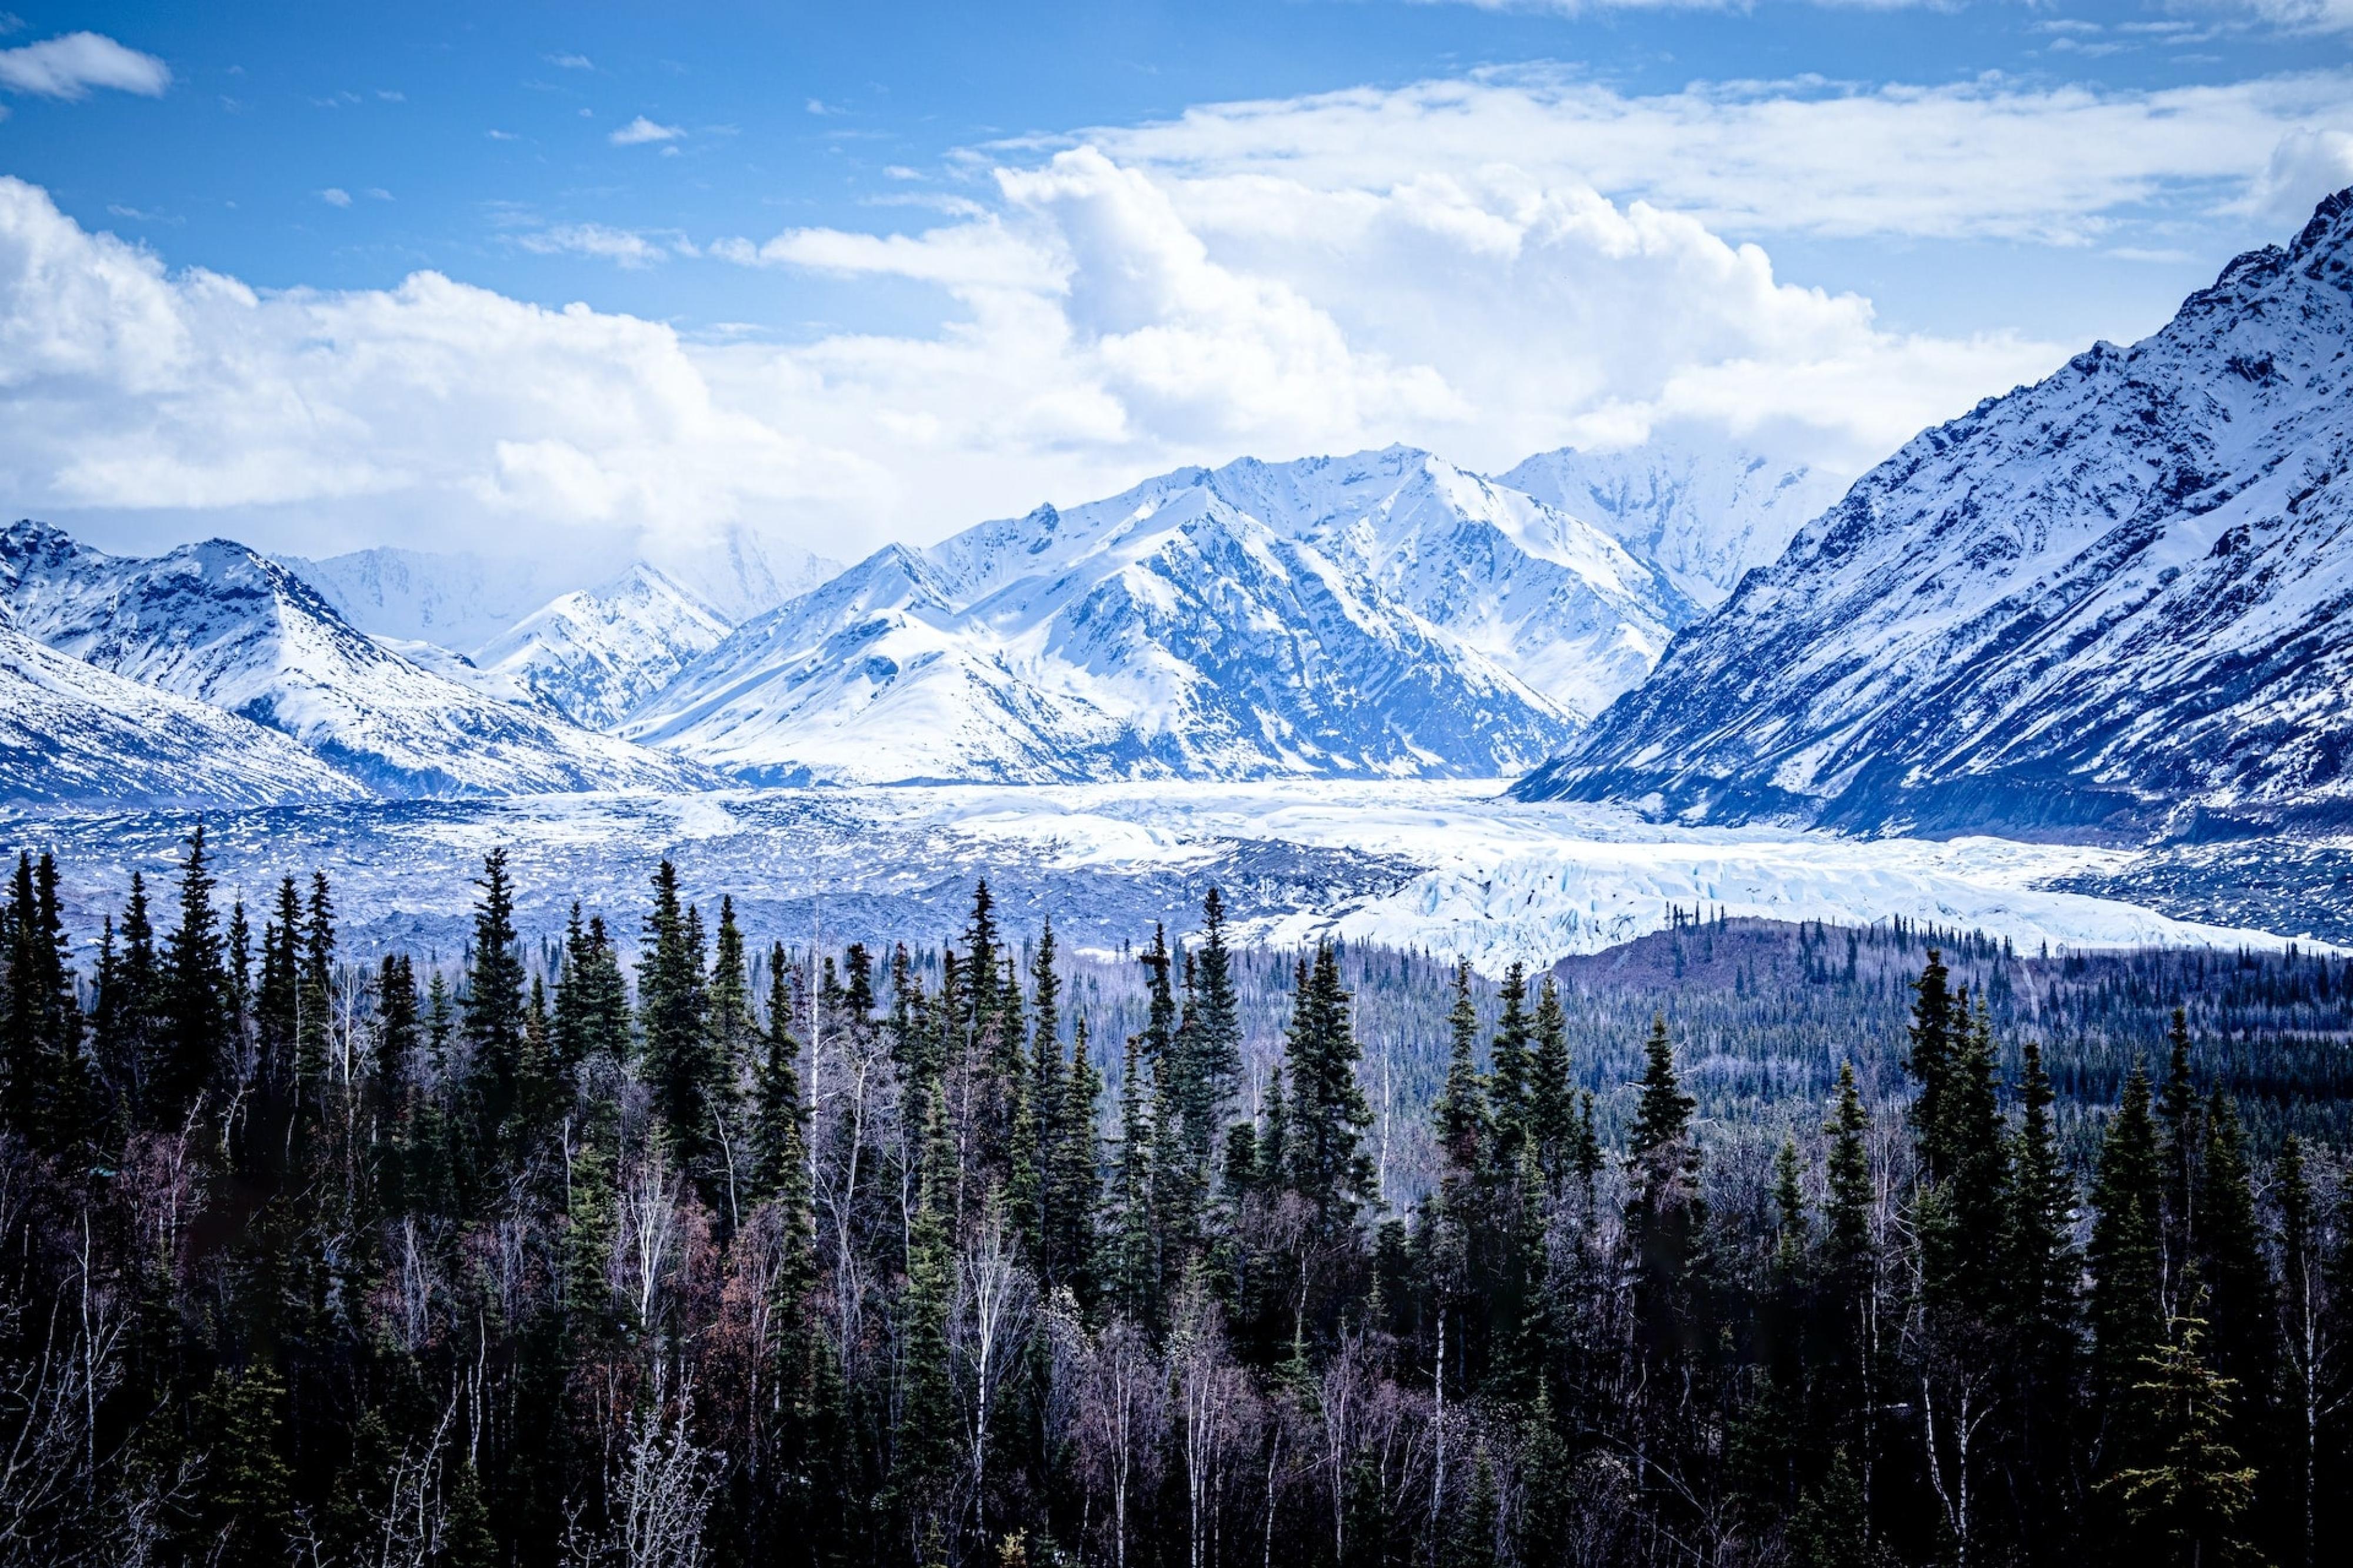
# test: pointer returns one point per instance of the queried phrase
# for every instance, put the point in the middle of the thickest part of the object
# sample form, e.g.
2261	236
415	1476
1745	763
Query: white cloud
1984	159
572	62
2299	15
334	196
639	132
1487	268
1096	334
69	67
2305	166
625	247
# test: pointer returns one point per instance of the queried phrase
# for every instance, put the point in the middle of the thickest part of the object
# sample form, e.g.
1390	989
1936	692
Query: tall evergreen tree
1326	1112
196	995
1551	1098
1133	1276
1937	1027
2241	1308
1665	1213
2127	1307
1507	1071
493	1008
681	1062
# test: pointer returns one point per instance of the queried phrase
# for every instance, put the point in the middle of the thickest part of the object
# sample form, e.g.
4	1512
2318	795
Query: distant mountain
72	734
219	624
2114	602
593	656
1384	614
1708	517
740	572
456	601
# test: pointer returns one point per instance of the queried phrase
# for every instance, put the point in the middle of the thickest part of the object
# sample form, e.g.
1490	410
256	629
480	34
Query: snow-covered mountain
593	655
73	734
739	572
219	624
2103	604
457	601
1383	613
1706	516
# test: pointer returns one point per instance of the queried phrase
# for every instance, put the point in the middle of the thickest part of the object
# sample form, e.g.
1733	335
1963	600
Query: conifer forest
665	1242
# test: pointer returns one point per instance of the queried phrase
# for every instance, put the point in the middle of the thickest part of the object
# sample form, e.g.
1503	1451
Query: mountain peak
2101	604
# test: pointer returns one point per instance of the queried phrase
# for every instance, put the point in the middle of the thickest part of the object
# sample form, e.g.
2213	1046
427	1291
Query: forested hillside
665	1244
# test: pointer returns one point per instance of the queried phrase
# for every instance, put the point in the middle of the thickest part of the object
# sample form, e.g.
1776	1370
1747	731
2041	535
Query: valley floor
1451	868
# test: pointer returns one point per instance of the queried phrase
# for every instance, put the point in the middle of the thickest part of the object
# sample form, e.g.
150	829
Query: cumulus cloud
335	196
2307	164
1983	159
640	131
1094	332
70	66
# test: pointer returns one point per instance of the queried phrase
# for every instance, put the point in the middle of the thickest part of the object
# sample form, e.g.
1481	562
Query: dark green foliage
474	1260
2127	1308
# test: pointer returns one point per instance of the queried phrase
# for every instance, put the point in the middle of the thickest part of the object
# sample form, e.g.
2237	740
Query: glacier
1449	866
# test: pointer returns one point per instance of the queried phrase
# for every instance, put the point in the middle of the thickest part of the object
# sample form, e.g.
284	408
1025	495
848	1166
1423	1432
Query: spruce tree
1327	1114
314	987
2242	1308
1507	1072
1030	1195
1460	1119
2183	1506
1074	1174
196	995
681	1062
1663	1213
493	1004
1218	1035
2127	1308
1133	1276
1551	1098
779	1147
1936	1029
278	1001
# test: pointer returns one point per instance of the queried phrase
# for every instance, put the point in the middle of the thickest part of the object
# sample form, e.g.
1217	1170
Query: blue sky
847	272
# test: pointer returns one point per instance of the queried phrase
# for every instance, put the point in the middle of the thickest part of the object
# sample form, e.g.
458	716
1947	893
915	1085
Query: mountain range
217	623
2114	604
1380	614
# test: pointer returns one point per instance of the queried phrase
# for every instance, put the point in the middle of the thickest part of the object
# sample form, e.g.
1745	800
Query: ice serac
2116	602
1704	515
72	734
593	655
1384	614
217	623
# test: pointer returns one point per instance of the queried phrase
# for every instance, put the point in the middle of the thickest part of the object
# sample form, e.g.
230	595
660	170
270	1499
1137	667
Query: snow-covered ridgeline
2109	604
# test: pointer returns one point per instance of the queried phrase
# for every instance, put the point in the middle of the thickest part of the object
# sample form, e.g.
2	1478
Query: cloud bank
1488	267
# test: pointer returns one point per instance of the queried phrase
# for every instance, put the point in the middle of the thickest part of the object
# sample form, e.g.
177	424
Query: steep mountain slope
1383	613
73	734
593	655
219	624
2105	603
1705	517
